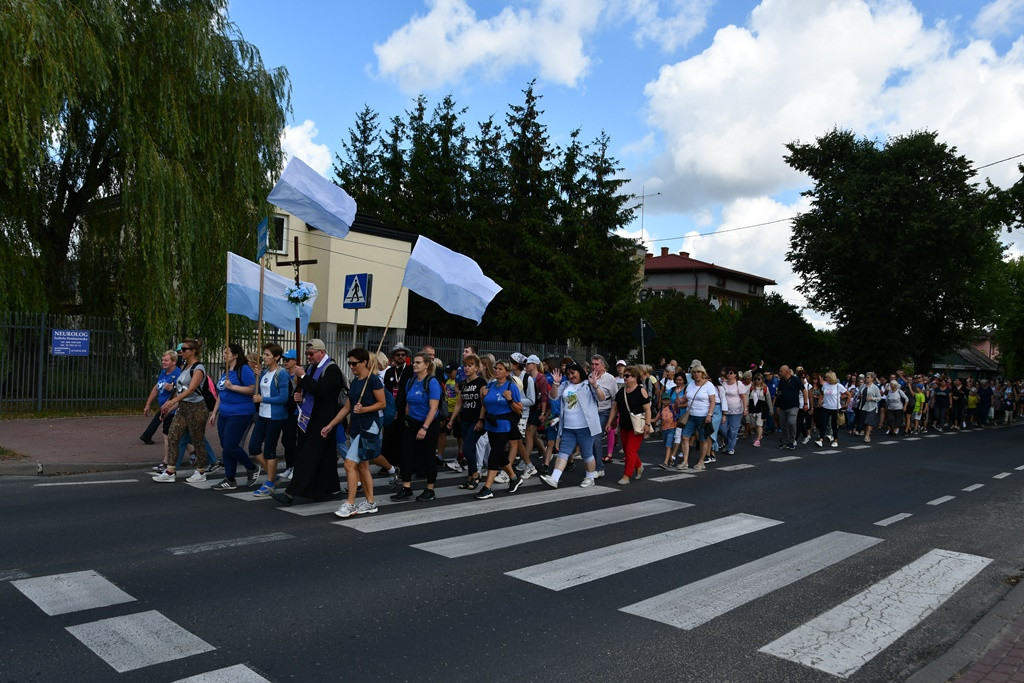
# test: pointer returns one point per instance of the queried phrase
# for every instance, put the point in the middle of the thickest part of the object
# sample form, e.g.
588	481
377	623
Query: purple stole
306	409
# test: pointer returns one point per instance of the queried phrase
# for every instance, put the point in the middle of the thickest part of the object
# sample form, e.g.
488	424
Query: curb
970	648
30	467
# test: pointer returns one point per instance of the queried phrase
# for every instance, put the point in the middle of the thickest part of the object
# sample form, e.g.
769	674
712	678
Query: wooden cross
296	263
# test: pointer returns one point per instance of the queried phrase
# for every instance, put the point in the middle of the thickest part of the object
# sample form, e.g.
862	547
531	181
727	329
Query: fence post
42	360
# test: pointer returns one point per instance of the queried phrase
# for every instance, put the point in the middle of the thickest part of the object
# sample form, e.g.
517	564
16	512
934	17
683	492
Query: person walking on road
579	421
190	413
631	401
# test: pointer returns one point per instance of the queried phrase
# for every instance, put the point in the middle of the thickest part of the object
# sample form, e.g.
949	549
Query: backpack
206	388
389	408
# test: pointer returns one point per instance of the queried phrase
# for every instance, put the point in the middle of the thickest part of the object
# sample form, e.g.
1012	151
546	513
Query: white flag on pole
244	295
303	192
452	280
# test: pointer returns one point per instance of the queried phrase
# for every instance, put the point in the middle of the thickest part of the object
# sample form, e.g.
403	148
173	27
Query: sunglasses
353	363
626	374
188	348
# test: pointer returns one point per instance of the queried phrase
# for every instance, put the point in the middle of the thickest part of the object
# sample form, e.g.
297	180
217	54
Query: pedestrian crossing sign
357	290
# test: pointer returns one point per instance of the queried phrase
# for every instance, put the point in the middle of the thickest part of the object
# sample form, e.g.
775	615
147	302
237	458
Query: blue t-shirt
166	378
419	401
231	402
496	405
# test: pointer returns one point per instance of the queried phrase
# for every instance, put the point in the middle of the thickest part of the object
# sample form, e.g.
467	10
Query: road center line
972	487
860	447
892	520
229	543
1002	475
940	501
786	459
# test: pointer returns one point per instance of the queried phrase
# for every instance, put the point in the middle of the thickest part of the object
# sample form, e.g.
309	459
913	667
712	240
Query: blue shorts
690	428
668	436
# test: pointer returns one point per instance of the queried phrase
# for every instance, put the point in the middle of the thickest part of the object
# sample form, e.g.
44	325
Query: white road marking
471	544
733	468
247	495
239	673
138	640
786	459
973	487
887	443
673	477
892	520
1002	475
374	523
940	501
931	436
73	592
1019	468
89	483
860	447
11	574
831	450
228	543
912	438
584	567
690	606
850	635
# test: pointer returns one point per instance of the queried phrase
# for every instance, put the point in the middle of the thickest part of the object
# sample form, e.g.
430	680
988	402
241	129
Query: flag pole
383	334
227	318
259	324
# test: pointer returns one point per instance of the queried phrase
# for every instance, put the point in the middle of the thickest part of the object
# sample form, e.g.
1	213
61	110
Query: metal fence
118	375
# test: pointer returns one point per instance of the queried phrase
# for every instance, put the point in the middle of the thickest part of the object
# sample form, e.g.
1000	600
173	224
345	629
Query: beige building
370	247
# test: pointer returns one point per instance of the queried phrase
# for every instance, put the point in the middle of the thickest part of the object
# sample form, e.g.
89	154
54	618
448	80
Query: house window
279	235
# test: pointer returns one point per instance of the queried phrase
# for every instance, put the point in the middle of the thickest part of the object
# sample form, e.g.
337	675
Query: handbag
637	420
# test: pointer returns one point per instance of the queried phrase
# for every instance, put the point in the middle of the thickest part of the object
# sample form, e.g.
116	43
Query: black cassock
316	465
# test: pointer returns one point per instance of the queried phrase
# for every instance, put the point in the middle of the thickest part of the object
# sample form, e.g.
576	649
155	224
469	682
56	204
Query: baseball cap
289	354
694	363
178	348
317	344
518	358
398	347
621	362
532	359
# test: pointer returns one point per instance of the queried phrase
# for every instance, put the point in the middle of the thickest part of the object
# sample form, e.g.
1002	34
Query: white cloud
443	45
684	20
298	141
1001	17
802	67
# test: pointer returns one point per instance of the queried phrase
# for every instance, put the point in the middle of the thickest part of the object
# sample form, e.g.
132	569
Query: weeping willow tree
138	142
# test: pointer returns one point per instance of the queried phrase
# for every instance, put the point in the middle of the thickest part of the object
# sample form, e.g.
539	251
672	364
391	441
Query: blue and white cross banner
244	295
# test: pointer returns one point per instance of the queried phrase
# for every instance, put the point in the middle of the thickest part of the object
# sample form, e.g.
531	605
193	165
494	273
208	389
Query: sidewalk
70	445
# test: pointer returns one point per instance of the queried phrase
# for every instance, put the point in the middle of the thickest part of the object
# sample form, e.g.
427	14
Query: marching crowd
516	418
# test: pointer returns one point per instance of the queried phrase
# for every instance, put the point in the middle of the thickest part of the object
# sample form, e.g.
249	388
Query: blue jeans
600	448
732	430
231	431
265	433
186	439
716	422
582	438
469	438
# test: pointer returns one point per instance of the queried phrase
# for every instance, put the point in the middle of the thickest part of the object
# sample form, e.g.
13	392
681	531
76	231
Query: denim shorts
669	436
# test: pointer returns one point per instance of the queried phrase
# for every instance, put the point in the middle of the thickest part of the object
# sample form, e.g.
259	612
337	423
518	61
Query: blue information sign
262	239
357	290
70	342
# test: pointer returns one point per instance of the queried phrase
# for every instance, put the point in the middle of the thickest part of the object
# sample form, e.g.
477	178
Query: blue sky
699	97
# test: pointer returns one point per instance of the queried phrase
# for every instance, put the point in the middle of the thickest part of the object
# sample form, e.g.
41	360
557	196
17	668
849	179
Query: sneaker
501	478
196	477
598	474
264	491
732	452
757	443
543	469
710	459
159	467
359	488
287	474
571	465
817	442
528	472
587	482
896	433
252	476
806	439
404	494
427	496
224	485
835	444
791	447
546	478
623	481
520	465
213	468
515	484
484	494
148	442
639	472
347	509
365	508
453	465
166	476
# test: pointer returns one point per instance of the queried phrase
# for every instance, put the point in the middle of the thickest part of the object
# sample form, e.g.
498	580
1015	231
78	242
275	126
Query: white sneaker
528	472
520	466
196	476
453	465
806	439
587	483
287	474
365	508
166	477
347	509
502	477
598	474
547	479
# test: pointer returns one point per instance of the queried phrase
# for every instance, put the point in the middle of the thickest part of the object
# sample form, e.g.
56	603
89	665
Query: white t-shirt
831	394
572	411
699	398
266	383
735	398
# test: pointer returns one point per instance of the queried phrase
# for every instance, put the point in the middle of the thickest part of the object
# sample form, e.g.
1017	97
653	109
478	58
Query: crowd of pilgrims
516	418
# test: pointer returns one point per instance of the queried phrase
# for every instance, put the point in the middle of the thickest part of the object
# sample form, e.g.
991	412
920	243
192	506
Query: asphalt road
799	582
